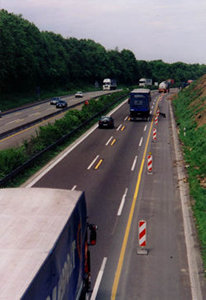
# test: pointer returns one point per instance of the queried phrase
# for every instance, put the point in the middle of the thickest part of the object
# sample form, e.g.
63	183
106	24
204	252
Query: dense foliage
188	105
30	59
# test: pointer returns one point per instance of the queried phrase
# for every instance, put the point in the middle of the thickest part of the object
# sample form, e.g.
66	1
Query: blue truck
44	244
139	101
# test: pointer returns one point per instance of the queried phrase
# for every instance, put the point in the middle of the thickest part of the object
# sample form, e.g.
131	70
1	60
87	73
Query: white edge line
134	163
67	151
74	187
107	143
98	280
93	162
122	203
140	142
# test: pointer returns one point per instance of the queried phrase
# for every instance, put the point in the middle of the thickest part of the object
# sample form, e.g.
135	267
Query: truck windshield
138	100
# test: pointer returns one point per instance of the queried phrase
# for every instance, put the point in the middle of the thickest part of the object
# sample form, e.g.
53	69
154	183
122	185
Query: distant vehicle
46	243
106	122
164	87
54	100
109	84
61	104
145	82
79	94
139	101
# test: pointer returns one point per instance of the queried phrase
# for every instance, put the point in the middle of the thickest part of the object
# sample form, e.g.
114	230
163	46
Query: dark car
54	100
106	122
61	104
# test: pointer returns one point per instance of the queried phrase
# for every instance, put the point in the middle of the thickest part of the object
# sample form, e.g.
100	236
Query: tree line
30	58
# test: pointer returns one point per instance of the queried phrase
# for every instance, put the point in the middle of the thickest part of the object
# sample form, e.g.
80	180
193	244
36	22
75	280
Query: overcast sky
171	30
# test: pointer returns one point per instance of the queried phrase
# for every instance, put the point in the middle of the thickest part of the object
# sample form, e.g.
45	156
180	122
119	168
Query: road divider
122	203
98	280
140	142
118	128
93	162
109	140
134	163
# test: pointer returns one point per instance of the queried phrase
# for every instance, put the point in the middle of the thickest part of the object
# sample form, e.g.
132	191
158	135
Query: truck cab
139	102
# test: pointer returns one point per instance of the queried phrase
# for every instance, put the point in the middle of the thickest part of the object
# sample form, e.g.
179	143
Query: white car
79	95
54	100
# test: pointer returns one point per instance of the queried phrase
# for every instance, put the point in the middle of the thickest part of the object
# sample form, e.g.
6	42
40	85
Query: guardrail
32	160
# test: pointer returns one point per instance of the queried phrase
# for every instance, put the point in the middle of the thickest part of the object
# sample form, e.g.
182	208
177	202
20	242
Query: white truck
44	244
109	84
143	82
164	87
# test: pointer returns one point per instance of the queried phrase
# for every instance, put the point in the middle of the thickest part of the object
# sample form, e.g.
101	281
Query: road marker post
156	120
149	163
142	237
154	135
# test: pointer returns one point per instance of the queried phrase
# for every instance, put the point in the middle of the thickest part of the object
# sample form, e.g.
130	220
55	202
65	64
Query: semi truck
44	244
139	101
164	87
109	84
145	82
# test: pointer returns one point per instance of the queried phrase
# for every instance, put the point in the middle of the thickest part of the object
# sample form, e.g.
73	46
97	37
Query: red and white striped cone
149	163
142	237
154	134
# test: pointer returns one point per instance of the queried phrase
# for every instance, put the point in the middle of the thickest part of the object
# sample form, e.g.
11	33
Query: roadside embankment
190	113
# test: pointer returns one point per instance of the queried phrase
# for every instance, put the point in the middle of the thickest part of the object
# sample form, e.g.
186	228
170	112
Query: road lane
110	191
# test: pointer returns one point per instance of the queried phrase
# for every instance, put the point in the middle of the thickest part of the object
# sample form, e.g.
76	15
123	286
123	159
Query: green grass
194	147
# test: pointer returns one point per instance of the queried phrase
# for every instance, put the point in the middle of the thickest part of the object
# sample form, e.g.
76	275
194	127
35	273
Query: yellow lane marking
112	143
99	163
129	222
123	127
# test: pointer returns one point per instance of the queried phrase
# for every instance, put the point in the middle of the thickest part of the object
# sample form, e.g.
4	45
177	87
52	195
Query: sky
171	30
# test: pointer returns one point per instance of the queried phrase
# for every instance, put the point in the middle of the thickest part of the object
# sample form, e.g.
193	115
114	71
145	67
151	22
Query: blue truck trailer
44	244
139	101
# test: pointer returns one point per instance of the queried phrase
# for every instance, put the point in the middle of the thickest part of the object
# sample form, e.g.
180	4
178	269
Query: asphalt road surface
23	116
111	167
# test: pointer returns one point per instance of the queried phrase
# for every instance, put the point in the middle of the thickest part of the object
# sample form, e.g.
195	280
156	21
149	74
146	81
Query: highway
111	167
20	117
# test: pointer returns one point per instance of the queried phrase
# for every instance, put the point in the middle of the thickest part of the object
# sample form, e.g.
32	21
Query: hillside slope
190	112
